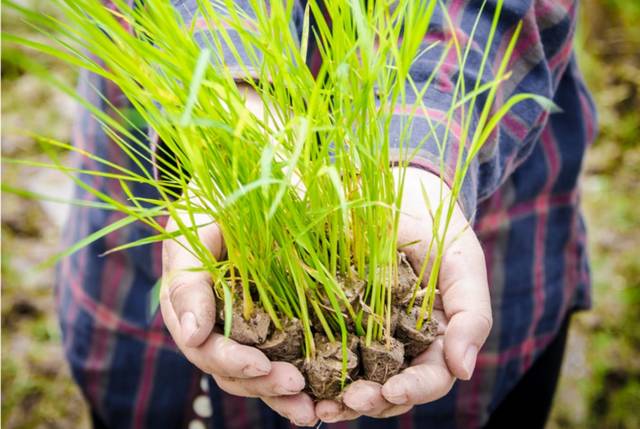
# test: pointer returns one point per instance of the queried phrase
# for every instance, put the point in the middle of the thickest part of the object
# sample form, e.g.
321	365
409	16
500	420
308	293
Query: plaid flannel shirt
522	193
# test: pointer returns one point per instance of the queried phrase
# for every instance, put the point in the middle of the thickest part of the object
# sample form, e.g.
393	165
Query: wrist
418	184
423	193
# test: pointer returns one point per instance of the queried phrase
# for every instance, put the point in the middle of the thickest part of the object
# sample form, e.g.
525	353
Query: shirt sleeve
540	58
241	61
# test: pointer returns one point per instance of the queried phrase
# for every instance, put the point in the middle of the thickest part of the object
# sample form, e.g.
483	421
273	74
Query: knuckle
486	321
176	289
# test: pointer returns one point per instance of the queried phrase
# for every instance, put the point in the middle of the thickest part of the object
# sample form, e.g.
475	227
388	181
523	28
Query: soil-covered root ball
415	341
394	317
324	373
250	332
406	279
353	288
381	361
286	344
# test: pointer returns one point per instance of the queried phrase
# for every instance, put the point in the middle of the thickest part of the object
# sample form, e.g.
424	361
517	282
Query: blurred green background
600	384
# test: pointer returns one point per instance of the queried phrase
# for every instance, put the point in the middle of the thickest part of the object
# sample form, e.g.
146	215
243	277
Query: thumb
188	302
467	304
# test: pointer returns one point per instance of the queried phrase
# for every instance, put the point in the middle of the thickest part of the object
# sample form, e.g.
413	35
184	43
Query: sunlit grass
304	194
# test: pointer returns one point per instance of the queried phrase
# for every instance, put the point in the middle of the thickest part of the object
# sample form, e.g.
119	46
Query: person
509	285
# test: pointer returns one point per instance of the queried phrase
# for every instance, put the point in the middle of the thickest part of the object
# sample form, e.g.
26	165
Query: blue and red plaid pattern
522	193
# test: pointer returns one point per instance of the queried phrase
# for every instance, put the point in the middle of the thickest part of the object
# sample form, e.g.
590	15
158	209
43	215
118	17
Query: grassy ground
37	391
600	385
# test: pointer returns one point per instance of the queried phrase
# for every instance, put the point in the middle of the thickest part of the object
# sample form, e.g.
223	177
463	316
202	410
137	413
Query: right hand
188	309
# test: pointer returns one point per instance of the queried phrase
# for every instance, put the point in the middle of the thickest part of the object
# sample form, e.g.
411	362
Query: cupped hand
463	311
188	308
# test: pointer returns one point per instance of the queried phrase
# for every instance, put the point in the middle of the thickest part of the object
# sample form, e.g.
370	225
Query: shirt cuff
424	147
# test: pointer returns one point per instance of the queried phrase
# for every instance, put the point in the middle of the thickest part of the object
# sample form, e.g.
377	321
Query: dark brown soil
415	342
286	344
395	316
324	373
299	363
380	362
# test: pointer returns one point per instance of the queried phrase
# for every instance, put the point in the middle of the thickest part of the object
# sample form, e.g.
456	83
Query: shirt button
204	384
196	424
202	406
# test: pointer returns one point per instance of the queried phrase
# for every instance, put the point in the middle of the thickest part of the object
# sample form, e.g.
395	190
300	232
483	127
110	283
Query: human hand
463	311
188	309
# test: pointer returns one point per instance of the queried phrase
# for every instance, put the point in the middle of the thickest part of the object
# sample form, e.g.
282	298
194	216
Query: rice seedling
303	187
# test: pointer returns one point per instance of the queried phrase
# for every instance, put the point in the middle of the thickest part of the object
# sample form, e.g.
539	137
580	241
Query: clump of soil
377	362
251	332
278	345
395	317
406	279
381	362
286	344
415	341
353	288
324	373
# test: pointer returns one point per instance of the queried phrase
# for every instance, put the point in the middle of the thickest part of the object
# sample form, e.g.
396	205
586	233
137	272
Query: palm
462	309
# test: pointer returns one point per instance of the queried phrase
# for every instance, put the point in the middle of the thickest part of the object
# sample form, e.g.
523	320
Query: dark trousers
529	403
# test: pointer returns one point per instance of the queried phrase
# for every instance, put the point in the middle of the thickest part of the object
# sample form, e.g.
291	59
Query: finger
224	357
297	408
366	398
284	379
467	304
395	410
218	355
426	380
333	411
416	218
189	291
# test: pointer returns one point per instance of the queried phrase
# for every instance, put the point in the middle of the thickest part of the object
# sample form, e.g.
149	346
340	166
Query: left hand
464	313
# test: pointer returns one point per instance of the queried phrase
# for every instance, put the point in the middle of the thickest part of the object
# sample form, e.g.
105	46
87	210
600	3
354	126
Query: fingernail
308	423
324	415
329	418
330	411
305	421
469	360
188	325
